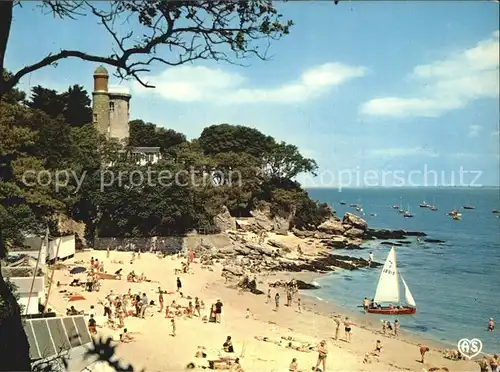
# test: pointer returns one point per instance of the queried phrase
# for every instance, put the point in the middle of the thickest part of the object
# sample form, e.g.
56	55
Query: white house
64	247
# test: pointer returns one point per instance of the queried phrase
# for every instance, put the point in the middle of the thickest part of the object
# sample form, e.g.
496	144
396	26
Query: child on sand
293	366
299	304
378	347
396	327
268	296
173	327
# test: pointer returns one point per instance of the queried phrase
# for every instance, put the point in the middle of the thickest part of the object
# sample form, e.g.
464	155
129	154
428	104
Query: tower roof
100	71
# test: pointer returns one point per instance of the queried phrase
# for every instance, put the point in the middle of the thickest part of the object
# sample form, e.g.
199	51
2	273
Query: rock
395	244
234	270
356	221
336	241
415	233
403	242
321	235
224	221
386	234
262	250
434	241
332	226
303	233
281	246
303	285
354	233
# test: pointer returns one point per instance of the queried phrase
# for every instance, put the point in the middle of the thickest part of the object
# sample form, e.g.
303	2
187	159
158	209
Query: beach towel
76	298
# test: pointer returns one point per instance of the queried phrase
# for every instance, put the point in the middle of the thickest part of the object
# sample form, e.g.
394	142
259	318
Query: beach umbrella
78	270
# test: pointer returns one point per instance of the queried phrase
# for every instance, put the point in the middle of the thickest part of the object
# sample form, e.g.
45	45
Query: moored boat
342	203
433	208
468	207
395	207
456	217
424	205
495	211
387	291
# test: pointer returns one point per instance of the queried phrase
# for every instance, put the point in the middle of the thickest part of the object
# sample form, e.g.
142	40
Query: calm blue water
456	285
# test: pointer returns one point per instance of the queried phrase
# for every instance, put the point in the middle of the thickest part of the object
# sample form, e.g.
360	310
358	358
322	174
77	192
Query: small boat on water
495	211
457	217
433	208
468	206
453	212
388	291
424	205
395	207
407	213
373	214
354	205
359	209
342	203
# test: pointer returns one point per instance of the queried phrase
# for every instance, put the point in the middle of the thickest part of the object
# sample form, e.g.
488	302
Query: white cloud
448	84
198	83
399	152
474	130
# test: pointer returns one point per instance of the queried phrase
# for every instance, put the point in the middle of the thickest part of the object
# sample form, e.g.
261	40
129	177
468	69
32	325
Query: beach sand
154	349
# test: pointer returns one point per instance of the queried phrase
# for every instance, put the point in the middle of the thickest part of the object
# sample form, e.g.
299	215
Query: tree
284	161
77	111
46	100
149	135
166	32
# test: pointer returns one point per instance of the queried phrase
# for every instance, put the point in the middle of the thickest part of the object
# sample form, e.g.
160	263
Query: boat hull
394	311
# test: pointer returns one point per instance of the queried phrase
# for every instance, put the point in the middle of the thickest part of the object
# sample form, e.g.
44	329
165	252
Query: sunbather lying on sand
307	348
290	338
268	339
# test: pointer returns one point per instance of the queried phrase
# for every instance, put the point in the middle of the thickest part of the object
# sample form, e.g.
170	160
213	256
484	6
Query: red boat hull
393	311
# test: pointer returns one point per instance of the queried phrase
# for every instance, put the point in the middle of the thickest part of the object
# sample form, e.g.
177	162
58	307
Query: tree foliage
163	32
233	166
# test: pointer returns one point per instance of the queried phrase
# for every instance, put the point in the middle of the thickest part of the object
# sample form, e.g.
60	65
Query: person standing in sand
172	322
337	328
197	306
277	300
160	299
107	252
299	305
348	328
396	327
218	311
322	354
378	347
179	284
423	350
268	300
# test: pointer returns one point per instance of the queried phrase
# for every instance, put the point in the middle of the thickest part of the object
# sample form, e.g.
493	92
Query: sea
455	284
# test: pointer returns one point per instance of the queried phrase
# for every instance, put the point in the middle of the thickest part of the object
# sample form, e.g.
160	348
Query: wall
119	115
24	286
66	247
100	111
168	244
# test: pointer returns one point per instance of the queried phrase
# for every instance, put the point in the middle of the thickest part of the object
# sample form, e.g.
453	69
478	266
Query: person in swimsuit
491	325
337	328
197	306
322	354
483	364
172	321
160	299
293	366
423	349
277	300
228	345
494	362
347	328
378	347
396	327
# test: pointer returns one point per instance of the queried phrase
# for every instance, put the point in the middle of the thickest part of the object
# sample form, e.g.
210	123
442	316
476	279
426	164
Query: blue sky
365	88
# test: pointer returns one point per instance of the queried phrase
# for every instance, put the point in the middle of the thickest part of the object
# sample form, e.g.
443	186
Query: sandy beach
154	349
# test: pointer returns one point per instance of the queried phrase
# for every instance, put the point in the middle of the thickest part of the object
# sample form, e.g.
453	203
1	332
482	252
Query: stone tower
100	101
110	107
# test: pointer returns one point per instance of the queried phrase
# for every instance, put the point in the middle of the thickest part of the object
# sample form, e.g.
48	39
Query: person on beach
218	311
423	350
322	354
494	363
144	305
483	364
197	306
396	327
277	300
293	367
366	304
228	345
384	327
107	252
160	299
299	306
268	300
378	347
491	325
249	313
370	259
172	322
179	284
92	325
337	328
348	328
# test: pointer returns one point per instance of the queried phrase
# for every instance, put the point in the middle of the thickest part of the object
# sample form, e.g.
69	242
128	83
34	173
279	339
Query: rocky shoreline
261	243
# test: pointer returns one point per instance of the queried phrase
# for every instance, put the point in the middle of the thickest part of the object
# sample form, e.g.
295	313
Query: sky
378	93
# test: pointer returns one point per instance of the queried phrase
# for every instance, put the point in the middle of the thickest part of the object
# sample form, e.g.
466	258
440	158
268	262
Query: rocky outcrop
352	220
224	221
354	233
332	226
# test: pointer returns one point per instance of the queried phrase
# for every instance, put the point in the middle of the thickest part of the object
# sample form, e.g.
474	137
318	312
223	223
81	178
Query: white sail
388	284
408	296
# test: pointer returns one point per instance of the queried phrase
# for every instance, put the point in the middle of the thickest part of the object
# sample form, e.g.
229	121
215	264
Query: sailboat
388	291
408	213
